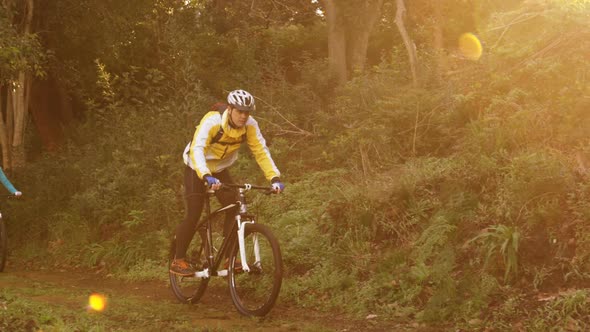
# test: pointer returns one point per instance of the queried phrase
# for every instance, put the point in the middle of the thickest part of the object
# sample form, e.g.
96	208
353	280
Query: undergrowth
442	203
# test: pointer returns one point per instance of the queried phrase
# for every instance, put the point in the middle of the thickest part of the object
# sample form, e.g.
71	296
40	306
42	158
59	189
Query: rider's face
238	117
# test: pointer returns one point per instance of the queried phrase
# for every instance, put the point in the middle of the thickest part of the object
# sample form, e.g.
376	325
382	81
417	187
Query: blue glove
211	180
277	186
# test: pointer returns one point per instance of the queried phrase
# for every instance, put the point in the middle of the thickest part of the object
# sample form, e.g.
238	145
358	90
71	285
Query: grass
60	309
48	301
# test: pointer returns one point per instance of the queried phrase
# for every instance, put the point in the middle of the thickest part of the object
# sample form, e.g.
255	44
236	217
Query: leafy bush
398	198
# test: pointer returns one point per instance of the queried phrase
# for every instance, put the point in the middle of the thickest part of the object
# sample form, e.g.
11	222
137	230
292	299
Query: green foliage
371	122
566	311
501	241
146	270
398	198
18	52
45	306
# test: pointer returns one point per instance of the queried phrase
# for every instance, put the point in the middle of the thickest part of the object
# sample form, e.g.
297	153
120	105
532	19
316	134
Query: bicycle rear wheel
190	289
3	244
254	293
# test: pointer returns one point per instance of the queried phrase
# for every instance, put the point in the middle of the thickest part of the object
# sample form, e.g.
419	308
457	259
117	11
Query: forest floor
54	301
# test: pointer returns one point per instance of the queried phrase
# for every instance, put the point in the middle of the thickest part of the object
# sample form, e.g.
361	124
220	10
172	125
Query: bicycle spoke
255	289
190	289
254	292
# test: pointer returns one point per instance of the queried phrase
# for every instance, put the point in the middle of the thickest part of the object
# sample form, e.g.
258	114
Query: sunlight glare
470	46
97	302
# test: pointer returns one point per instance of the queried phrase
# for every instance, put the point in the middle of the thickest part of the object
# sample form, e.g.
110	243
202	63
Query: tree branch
298	130
513	22
410	46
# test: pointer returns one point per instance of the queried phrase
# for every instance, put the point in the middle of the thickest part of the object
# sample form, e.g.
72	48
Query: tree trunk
438	40
359	33
349	28
10	106
336	41
3	130
410	46
66	109
50	108
7	105
7	4
21	95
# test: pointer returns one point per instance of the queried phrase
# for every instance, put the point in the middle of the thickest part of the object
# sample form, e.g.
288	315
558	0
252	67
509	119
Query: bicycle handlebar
246	186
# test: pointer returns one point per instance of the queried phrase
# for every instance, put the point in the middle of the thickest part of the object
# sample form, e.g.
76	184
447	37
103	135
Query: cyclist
213	149
8	185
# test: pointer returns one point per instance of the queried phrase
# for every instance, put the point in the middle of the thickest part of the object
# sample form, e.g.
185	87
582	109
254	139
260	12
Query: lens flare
97	302
470	46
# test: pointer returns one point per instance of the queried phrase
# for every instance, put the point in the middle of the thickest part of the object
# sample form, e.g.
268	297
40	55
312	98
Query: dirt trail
215	311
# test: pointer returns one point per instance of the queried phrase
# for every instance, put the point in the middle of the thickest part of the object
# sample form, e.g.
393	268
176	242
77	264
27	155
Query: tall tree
438	39
17	20
226	15
410	46
349	27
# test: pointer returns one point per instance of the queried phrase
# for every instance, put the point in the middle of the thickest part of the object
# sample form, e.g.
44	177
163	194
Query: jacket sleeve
257	145
204	133
6	182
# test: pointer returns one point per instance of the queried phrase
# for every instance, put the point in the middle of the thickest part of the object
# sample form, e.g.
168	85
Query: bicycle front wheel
255	292
190	289
3	244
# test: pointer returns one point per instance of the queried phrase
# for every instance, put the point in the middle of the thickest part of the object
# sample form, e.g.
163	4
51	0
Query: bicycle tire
254	293
189	289
3	244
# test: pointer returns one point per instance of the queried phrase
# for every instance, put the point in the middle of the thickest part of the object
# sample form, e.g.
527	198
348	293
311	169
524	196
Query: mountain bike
3	240
254	264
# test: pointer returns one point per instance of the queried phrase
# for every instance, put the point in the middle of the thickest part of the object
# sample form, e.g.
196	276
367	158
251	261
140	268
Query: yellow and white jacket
206	158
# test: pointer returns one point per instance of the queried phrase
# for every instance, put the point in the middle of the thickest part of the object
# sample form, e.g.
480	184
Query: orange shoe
182	268
237	265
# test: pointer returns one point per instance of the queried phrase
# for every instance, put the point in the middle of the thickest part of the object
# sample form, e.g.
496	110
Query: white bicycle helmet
241	100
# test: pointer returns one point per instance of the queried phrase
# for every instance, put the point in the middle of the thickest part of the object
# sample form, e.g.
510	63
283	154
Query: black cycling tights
194	195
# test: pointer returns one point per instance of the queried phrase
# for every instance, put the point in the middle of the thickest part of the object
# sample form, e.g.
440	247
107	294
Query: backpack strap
217	136
221	107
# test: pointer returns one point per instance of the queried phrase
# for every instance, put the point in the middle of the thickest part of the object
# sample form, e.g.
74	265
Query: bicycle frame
237	229
254	265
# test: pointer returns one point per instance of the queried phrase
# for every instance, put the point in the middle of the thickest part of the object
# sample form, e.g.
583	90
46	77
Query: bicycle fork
242	236
241	233
242	244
